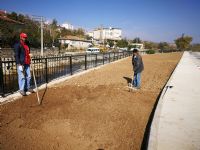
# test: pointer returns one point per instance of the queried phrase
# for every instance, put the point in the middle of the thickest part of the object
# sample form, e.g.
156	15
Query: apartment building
106	34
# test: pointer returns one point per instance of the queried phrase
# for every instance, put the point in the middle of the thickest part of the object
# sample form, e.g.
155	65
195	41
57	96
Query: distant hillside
12	24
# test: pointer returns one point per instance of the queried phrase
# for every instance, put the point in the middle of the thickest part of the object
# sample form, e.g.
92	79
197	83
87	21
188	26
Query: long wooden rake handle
33	69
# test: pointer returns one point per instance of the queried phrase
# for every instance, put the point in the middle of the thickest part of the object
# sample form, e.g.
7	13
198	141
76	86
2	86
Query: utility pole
42	43
41	20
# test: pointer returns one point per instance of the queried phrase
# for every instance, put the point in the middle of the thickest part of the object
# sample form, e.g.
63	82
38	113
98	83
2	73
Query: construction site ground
92	111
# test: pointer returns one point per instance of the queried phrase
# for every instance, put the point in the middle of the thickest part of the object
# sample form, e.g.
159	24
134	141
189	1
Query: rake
33	69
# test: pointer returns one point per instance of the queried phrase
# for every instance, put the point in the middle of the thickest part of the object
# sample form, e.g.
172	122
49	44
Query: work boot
31	91
23	93
134	88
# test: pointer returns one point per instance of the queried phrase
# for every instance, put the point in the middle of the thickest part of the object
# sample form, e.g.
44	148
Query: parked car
123	49
92	50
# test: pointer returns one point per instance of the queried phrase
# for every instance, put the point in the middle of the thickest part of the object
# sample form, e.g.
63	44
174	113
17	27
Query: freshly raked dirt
89	112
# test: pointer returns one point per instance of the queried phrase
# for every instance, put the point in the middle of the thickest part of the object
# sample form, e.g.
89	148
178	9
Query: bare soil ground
89	112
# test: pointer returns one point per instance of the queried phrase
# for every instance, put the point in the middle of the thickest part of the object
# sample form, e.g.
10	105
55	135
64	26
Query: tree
9	31
163	46
65	32
150	45
54	23
13	16
54	33
195	47
122	43
79	32
47	39
110	43
137	40
88	37
21	18
183	42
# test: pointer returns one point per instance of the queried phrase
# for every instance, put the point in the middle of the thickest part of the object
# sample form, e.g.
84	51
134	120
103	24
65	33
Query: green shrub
150	51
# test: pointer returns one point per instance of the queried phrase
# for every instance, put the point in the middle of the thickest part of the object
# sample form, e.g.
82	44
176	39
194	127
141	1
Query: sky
152	20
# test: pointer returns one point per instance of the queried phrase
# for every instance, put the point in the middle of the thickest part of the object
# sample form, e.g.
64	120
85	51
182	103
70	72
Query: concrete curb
155	123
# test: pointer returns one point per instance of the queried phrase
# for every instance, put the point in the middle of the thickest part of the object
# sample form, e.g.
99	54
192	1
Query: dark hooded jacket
138	65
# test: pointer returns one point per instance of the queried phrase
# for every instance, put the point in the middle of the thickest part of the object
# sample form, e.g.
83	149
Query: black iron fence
49	68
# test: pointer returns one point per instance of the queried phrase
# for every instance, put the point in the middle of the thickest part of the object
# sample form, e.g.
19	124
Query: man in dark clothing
138	67
23	60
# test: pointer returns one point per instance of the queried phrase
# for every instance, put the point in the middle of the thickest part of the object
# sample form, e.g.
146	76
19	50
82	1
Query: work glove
20	67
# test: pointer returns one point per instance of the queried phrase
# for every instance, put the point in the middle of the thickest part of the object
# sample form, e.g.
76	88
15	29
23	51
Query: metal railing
50	68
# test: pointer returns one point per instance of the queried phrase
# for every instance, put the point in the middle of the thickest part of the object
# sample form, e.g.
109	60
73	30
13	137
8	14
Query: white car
92	50
123	49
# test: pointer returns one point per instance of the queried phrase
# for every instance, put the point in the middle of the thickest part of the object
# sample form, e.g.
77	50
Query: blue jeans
137	80
24	78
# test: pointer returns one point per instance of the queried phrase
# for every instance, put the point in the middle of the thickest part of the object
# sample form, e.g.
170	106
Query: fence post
109	57
46	69
70	60
96	60
103	58
1	77
86	62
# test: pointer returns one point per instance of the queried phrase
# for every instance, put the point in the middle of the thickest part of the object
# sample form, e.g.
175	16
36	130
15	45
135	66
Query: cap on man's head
23	35
135	50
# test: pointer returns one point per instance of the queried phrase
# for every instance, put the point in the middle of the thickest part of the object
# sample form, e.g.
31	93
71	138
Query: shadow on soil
41	100
145	140
128	80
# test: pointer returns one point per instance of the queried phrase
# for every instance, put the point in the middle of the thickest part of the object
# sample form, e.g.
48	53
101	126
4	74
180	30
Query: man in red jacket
23	60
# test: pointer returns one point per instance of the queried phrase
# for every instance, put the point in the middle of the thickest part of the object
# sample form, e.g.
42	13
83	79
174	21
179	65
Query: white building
91	34
106	33
74	42
67	26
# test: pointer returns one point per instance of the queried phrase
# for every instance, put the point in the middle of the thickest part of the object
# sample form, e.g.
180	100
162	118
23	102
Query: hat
23	35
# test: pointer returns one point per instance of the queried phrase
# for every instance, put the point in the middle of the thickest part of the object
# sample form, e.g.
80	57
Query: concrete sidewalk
176	123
